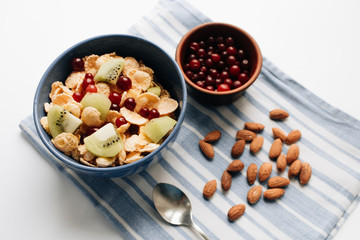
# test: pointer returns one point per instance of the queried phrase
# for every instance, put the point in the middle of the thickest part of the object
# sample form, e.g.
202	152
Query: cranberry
243	77
220	39
202	61
209	63
224	55
210	88
153	113
133	129
229	41
223	87
89	75
195	77
241	54
200	84
124	83
115	107
231	60
120	121
194	64
144	112
210	41
91	130
236	84
194	46
201	75
231	50
218	81
228	81
234	70
203	69
191	56
115	97
77	64
215	57
213	73
211	49
201	53
91	88
221	47
87	82
221	65
77	96
202	44
130	103
189	74
186	67
245	64
224	75
209	80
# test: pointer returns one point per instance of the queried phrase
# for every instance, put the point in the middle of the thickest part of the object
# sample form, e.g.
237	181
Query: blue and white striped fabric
329	143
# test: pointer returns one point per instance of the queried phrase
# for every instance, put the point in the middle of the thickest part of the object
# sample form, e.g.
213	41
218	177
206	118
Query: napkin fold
329	143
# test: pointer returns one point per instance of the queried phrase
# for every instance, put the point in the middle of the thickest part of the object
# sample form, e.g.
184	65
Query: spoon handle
196	228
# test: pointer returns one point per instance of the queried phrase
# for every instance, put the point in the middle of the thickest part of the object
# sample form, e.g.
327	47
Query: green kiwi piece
105	142
157	128
99	101
110	71
154	90
61	120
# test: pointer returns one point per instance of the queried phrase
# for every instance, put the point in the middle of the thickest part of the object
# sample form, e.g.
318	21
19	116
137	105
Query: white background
314	42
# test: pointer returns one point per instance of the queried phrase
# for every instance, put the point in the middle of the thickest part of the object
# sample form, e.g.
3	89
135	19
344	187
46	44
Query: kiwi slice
61	120
98	101
105	142
157	128
110	71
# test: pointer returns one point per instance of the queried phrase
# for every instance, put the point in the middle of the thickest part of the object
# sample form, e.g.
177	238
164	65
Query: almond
275	149
209	189
305	173
238	148
226	180
294	168
254	194
251	173
207	149
247	135
253	126
235	166
281	162
277	182
293	137
278	133
212	136
265	171
256	144
236	211
274	193
292	153
278	114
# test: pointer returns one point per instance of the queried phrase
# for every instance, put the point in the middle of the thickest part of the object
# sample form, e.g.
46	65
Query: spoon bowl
174	206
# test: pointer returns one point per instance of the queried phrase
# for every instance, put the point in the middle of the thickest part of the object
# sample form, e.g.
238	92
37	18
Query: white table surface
315	42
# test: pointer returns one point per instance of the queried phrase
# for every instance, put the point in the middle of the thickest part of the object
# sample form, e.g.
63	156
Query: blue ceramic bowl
166	71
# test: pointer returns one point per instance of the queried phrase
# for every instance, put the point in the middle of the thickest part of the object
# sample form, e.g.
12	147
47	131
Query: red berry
87	82
77	96
120	121
91	130
234	70
200	84
194	46
215	57
218	81
231	50
144	112
209	63
89	75
201	53
231	60
220	39
224	75
221	47
241	54
210	41
223	87
229	41
115	97
210	88
209	80
194	64
245	64
228	81
124	83
153	113
243	77
91	88
77	64
115	107
130	103
236	84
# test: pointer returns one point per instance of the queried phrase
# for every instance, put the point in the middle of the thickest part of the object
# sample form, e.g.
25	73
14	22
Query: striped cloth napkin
329	143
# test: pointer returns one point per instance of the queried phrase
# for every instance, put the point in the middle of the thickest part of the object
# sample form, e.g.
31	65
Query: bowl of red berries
219	62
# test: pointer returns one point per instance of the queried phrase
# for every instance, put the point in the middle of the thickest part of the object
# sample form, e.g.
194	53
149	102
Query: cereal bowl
166	72
201	48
